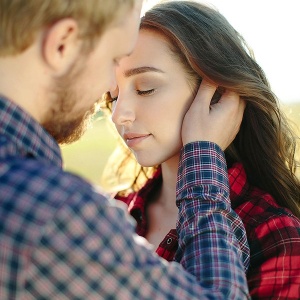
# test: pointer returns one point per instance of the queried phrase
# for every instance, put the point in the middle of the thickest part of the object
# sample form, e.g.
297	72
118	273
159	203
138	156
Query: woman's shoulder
269	226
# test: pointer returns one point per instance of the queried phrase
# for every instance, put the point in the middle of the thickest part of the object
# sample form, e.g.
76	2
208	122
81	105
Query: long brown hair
209	47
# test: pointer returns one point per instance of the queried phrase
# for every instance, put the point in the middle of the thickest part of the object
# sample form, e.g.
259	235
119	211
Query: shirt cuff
202	171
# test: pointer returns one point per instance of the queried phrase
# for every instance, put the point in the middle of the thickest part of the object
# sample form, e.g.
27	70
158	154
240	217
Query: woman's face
153	96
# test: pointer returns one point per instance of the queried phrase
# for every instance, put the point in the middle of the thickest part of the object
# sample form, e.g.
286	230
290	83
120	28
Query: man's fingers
205	93
231	101
219	122
230	98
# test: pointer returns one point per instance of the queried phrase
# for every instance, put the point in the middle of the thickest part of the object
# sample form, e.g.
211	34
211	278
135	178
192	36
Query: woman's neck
163	212
167	195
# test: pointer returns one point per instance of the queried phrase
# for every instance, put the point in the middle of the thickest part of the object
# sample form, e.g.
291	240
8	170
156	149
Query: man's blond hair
21	20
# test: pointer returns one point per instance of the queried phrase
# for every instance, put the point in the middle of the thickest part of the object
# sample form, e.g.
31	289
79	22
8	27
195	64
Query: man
60	239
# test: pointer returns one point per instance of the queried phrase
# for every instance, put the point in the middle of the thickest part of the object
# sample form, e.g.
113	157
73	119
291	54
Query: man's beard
63	127
62	122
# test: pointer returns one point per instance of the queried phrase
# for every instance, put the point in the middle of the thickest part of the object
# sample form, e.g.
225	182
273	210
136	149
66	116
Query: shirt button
169	241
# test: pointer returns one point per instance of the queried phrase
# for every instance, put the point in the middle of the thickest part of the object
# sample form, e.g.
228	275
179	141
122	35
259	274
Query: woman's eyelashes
110	98
113	99
145	92
139	92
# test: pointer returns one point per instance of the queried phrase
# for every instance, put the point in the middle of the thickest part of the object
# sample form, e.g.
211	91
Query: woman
180	44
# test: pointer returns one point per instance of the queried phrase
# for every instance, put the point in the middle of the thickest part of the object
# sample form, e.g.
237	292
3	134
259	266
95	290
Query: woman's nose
123	111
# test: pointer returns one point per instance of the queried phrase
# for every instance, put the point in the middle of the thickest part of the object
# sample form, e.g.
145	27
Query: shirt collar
28	136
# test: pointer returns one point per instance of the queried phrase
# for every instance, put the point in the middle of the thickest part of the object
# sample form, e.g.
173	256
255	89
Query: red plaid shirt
273	234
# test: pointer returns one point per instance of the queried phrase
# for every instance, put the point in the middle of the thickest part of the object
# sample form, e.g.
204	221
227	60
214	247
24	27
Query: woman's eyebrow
135	71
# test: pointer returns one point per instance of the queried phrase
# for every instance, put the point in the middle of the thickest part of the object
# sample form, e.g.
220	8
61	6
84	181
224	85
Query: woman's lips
133	139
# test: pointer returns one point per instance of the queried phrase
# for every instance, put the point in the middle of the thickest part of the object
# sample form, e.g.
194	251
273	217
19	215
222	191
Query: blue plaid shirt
60	239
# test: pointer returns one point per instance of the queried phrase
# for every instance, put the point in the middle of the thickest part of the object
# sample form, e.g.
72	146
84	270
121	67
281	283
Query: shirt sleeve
89	251
212	239
275	267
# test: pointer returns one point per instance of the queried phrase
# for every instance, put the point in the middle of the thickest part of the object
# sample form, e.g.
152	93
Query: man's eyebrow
140	70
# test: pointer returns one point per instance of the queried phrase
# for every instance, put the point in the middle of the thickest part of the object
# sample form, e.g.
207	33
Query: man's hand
218	123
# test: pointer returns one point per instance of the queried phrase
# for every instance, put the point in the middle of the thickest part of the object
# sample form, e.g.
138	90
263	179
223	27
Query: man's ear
61	45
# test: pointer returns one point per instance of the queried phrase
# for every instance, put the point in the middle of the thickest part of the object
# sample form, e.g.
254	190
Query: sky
272	29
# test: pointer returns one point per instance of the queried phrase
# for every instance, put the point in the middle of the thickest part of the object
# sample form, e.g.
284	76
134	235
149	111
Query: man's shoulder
36	184
32	192
37	172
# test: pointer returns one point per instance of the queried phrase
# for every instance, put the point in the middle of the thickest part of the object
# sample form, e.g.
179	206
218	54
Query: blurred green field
88	156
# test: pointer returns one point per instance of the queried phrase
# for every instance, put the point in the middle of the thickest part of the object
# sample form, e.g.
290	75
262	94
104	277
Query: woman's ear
61	45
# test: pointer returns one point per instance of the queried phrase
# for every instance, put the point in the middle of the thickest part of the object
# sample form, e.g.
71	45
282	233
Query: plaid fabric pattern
274	239
273	235
202	173
60	239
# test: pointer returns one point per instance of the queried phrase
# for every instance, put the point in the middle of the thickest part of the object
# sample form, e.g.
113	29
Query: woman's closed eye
112	99
146	92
